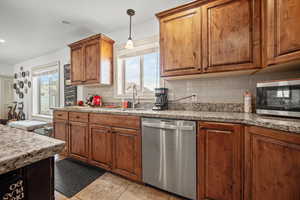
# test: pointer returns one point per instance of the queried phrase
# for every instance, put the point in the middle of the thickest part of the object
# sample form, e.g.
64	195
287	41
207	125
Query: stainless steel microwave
280	98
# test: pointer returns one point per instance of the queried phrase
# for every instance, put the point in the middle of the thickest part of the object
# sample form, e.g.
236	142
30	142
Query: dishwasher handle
165	126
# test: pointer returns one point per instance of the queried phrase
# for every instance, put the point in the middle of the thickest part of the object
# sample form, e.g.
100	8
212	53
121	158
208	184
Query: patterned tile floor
113	187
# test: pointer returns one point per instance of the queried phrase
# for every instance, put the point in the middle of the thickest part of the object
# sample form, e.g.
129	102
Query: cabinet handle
77	117
60	115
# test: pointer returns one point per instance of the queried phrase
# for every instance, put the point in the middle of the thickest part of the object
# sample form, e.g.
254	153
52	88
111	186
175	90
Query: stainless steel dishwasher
169	155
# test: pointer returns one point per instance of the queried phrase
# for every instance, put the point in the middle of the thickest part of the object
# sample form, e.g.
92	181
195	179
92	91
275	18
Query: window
140	67
45	89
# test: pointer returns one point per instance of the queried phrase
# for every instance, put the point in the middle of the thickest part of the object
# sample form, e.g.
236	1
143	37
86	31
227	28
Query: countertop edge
27	158
251	119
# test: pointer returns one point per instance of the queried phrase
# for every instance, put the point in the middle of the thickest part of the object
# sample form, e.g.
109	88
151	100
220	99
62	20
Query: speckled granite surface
19	148
283	124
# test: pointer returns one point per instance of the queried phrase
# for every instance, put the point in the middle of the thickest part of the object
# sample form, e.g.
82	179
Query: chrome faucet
134	95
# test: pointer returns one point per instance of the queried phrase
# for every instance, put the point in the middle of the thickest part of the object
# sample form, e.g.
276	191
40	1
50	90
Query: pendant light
129	44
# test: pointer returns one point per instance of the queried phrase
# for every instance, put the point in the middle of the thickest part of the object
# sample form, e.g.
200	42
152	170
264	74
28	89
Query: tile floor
113	187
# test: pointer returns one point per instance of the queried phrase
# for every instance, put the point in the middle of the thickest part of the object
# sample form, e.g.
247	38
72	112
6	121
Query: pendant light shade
129	44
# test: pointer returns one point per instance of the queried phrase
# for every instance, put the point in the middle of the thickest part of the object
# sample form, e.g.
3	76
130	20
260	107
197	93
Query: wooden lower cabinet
219	161
61	132
78	140
127	153
272	167
100	146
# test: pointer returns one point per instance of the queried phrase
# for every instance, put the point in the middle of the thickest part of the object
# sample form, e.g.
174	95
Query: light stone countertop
19	148
278	123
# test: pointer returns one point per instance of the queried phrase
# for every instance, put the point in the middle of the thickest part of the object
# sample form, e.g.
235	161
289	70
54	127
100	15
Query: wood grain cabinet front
127	153
61	132
100	146
282	31
77	69
180	43
210	36
78	140
231	35
219	161
272	165
92	61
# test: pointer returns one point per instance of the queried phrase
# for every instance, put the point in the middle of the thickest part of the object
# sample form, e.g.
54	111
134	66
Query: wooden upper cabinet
180	40
272	165
219	161
210	36
282	30
231	35
92	61
77	69
100	146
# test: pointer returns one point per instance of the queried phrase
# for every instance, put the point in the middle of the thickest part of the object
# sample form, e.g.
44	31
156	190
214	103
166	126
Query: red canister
97	100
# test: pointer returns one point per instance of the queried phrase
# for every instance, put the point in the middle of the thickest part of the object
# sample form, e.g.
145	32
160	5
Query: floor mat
72	176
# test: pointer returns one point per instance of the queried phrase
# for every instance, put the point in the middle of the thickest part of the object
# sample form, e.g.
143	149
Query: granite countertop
278	123
19	148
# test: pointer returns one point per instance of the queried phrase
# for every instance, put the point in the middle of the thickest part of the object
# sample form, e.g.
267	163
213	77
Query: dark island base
33	182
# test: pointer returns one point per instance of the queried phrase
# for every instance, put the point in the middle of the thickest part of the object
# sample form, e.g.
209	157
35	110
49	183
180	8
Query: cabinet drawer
122	121
78	117
60	115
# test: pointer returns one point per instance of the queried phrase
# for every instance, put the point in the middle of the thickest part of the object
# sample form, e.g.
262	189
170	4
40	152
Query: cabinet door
127	153
91	62
272	165
78	140
219	161
231	35
100	153
180	40
282	30
77	65
61	133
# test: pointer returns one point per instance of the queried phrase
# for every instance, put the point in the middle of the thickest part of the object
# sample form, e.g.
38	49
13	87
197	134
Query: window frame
36	110
149	45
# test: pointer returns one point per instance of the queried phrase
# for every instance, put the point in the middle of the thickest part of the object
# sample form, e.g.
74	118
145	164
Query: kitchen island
27	164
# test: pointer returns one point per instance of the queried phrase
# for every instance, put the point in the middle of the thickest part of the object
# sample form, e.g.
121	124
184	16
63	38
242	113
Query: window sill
42	117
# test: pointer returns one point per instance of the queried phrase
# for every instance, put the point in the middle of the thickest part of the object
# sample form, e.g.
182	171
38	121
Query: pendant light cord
130	24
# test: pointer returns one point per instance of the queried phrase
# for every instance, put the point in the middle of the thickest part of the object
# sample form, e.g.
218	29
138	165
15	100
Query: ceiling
32	28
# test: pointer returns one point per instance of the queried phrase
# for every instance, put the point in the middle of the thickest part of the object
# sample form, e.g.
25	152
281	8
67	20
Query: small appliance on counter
94	100
281	98
161	99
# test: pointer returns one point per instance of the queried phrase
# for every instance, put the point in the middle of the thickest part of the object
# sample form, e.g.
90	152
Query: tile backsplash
223	90
219	90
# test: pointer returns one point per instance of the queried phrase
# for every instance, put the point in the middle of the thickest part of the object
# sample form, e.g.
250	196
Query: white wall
146	29
139	31
63	56
6	70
